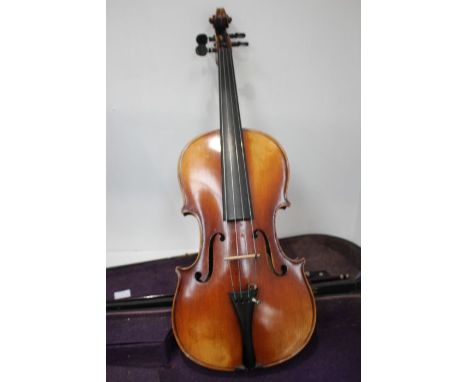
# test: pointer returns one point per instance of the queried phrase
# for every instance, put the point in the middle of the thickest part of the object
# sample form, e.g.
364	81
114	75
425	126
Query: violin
242	304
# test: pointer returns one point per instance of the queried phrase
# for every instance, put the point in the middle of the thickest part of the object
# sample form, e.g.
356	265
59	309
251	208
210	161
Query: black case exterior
141	346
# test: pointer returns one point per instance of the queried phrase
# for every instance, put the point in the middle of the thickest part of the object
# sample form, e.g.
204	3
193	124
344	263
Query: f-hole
283	268
198	275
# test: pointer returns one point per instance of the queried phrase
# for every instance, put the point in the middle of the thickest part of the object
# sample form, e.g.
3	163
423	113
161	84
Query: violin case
142	347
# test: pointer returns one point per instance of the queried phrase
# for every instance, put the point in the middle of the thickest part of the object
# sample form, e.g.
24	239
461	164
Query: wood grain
204	322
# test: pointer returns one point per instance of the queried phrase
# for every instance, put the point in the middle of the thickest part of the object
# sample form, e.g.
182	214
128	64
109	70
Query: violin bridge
240	257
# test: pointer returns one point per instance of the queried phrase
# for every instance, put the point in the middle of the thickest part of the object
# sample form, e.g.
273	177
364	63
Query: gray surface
298	81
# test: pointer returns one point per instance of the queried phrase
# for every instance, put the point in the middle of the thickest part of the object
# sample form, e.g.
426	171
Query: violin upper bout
199	173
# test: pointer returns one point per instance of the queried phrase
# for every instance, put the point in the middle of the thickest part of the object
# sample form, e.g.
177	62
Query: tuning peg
238	43
202	39
201	50
237	35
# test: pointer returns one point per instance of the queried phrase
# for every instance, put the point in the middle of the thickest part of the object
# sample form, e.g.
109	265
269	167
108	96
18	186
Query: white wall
299	81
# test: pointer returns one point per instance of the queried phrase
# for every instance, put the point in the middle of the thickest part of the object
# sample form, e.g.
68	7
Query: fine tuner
202	40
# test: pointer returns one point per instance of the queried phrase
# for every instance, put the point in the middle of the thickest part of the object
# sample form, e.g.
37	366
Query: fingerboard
236	194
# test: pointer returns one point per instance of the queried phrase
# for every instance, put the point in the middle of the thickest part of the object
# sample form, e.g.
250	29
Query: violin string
245	169
223	155
232	179
231	89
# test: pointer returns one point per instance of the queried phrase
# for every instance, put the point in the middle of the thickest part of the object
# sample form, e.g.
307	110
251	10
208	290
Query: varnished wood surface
204	322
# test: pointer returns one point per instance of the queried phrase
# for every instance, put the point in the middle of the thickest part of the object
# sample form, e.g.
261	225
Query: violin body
209	327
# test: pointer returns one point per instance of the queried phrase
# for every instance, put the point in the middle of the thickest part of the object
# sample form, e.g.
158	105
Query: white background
299	81
52	196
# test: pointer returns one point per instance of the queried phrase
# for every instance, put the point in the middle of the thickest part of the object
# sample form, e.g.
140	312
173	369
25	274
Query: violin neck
236	194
